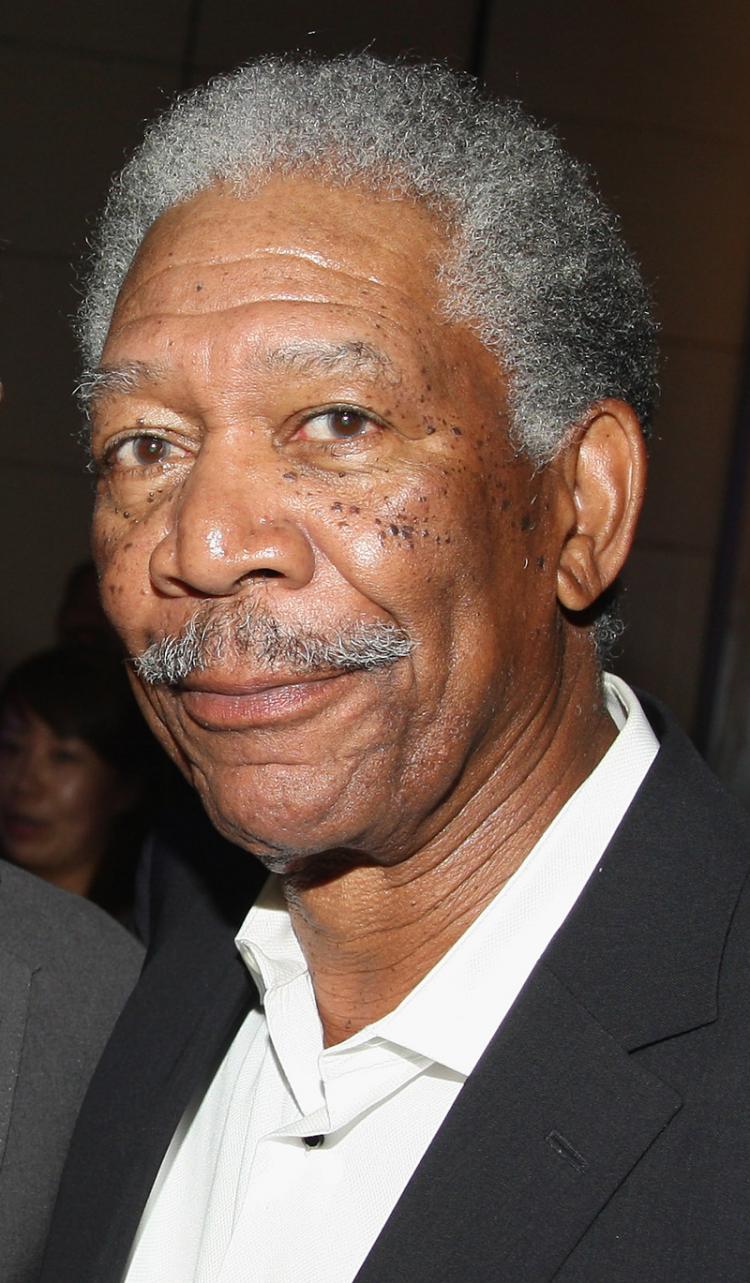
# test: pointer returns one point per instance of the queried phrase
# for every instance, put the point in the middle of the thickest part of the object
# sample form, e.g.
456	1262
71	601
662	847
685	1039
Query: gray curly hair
537	265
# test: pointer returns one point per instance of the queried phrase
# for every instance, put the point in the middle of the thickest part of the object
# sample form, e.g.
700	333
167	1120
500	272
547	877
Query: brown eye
346	423
148	450
339	424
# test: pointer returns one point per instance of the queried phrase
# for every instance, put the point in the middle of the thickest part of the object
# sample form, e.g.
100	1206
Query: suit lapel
560	1108
15	996
546	1128
192	996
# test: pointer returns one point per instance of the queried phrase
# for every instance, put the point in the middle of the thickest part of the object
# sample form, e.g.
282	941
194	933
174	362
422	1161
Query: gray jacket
66	969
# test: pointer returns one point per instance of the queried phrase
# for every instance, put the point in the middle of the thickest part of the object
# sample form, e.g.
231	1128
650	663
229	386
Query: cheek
75	792
160	714
122	559
87	802
408	542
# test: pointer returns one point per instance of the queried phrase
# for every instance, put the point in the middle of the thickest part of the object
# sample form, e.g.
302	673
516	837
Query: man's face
305	435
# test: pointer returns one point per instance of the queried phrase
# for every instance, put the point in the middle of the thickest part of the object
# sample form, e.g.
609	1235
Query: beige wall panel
665	603
66	124
44	520
38	421
230	31
687	473
681	64
685	206
138	28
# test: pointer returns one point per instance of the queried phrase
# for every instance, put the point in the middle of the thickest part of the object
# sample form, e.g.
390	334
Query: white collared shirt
240	1197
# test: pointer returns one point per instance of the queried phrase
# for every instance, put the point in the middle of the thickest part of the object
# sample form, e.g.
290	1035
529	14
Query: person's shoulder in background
66	970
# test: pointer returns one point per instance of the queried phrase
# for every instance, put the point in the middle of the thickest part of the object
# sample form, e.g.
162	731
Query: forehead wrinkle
321	356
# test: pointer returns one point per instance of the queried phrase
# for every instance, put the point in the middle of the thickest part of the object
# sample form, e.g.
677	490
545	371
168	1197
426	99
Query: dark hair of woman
77	766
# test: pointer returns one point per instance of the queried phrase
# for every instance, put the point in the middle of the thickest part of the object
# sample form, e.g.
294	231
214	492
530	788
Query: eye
340	423
142	450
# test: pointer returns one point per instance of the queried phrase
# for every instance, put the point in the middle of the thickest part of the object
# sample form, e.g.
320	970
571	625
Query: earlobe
604	472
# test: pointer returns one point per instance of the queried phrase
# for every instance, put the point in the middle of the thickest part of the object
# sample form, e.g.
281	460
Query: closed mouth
217	704
17	824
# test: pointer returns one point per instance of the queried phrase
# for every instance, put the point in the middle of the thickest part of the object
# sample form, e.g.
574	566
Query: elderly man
368	365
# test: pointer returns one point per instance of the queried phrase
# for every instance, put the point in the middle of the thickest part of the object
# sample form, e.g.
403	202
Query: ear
603	475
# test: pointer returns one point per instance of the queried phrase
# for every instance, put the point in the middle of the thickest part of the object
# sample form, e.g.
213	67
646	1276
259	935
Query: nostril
264	572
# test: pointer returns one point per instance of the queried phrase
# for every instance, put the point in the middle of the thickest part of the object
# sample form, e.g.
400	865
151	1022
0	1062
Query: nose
227	527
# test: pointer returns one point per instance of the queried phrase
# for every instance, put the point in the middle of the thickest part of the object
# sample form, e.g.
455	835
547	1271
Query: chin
295	855
281	848
282	812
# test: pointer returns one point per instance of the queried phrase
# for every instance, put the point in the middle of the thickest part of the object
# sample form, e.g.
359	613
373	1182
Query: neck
373	931
78	879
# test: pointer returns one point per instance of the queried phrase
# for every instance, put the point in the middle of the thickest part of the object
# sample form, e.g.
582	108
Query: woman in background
74	764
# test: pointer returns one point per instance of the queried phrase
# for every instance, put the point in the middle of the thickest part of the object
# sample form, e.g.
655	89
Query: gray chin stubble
221	634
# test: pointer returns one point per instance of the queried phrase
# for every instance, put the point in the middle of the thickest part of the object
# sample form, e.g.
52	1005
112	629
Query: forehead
295	239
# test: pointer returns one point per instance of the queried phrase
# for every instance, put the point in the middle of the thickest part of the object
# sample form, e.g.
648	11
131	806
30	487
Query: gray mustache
217	634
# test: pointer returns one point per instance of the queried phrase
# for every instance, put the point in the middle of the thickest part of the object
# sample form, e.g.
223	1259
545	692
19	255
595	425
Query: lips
217	704
22	828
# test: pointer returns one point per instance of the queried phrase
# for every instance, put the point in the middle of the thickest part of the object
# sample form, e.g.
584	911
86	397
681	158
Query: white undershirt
240	1198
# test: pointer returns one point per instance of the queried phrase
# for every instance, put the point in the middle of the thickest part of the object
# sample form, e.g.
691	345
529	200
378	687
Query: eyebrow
301	356
106	380
319	356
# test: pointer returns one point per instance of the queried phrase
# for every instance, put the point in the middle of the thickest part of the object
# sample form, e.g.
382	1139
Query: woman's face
58	800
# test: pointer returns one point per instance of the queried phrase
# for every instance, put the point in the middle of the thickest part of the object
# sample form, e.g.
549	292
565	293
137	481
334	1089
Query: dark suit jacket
65	972
604	1136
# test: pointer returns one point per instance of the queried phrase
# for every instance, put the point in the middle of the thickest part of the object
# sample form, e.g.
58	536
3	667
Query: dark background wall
655	96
